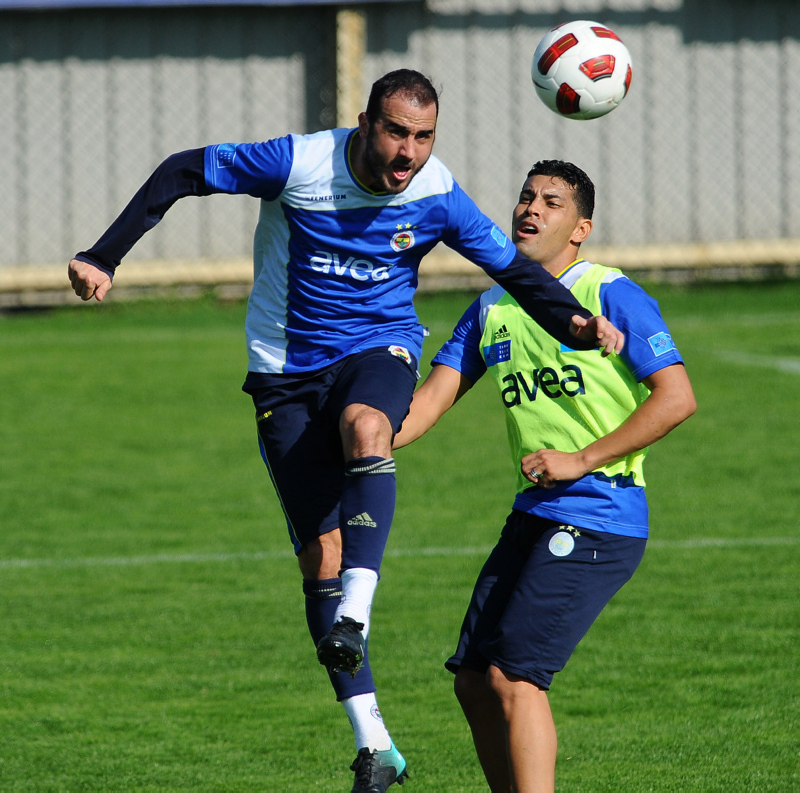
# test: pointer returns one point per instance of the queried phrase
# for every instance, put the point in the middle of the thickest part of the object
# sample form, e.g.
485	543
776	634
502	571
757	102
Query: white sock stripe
379	467
322	592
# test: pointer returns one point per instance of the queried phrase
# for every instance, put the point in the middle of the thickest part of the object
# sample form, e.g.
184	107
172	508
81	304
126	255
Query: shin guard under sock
366	511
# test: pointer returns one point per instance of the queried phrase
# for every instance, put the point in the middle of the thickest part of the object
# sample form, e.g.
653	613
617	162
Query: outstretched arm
180	175
554	307
442	388
670	402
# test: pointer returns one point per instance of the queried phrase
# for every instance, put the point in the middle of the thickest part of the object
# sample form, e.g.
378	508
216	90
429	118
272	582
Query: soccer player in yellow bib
579	424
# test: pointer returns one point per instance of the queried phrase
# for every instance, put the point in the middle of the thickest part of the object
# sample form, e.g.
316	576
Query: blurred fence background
699	167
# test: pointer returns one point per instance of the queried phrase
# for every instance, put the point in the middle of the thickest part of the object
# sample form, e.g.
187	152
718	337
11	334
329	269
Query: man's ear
582	231
363	125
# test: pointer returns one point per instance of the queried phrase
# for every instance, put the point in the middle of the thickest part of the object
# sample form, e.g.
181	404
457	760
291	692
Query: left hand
545	467
598	329
88	281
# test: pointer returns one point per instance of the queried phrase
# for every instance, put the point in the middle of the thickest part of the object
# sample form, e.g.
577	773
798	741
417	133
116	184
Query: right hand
88	281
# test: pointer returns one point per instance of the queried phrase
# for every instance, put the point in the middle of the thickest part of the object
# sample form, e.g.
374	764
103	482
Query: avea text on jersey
360	269
569	382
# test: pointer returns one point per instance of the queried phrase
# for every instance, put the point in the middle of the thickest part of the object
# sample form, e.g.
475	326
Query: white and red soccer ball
581	70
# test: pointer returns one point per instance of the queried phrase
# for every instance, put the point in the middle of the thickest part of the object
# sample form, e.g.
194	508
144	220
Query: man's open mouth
400	172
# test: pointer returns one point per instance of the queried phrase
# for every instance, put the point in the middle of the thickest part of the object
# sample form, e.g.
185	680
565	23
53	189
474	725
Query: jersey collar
569	276
569	267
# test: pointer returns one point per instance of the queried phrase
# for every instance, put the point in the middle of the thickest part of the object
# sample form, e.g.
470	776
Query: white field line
202	558
738	320
781	364
778	363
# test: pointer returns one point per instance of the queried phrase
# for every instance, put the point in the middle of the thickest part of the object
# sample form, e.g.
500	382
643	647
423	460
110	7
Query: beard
379	168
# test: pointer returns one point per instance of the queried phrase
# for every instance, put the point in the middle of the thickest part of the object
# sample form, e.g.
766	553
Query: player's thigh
301	448
383	378
569	577
493	589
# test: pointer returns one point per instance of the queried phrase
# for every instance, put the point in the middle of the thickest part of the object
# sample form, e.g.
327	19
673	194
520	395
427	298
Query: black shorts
542	587
297	416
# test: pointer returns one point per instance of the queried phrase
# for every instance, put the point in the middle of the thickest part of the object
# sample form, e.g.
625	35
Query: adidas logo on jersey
362	520
501	333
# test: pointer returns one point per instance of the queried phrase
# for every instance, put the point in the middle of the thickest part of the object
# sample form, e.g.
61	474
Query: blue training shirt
336	265
592	502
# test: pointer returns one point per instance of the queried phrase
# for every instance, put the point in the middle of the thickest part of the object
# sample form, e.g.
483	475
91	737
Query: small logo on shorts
401	353
561	543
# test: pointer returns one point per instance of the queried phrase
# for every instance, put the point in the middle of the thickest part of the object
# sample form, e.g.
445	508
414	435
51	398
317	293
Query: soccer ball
581	70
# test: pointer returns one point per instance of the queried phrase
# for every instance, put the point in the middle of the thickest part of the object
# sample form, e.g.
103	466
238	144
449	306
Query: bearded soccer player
579	425
333	340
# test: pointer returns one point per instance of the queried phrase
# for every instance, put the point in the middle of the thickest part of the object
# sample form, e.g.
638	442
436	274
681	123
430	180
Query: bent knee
365	420
513	691
365	432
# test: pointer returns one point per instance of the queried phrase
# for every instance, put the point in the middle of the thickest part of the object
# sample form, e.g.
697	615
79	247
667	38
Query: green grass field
151	621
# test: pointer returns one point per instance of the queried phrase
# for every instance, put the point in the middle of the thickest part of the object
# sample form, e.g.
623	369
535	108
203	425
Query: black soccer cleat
377	770
342	650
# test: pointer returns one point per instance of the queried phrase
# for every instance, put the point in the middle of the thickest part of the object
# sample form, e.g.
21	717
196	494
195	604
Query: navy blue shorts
297	416
542	587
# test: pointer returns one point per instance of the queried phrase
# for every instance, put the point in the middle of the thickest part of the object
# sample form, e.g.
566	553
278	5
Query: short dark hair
574	177
413	85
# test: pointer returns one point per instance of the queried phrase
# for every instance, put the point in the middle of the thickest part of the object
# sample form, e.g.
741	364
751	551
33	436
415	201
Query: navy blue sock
322	598
366	511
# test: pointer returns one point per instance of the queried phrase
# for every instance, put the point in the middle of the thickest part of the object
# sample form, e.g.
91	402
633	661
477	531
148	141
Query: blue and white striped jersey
335	265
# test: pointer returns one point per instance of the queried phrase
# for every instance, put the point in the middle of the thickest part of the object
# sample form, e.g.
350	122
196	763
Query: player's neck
357	156
558	264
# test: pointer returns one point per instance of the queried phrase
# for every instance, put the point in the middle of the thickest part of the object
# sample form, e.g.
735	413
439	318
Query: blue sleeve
257	169
473	235
648	343
463	351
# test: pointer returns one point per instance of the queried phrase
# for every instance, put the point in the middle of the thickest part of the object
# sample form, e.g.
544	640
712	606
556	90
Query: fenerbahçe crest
402	240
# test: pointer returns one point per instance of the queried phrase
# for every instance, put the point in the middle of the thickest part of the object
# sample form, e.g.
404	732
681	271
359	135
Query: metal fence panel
94	100
706	147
